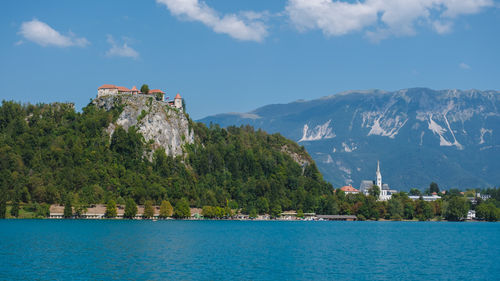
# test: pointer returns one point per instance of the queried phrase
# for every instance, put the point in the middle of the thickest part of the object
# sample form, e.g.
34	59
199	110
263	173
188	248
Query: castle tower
379	176
178	101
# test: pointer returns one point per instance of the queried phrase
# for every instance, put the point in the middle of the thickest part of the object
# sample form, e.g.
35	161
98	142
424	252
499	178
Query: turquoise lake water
248	250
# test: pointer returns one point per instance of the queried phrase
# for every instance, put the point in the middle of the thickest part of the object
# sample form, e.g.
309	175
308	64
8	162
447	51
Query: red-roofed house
123	90
349	189
107	89
157	91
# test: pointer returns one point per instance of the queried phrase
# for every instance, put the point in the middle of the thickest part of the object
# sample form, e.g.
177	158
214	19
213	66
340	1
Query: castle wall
106	92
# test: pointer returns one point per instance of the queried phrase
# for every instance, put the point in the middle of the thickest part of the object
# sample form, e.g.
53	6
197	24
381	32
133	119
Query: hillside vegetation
51	154
447	136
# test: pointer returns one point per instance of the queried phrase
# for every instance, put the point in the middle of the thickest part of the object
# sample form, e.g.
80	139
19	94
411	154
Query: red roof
156	91
123	89
134	89
108	86
178	96
348	188
434	193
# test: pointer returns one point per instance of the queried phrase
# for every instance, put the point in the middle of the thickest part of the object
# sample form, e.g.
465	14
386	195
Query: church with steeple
385	192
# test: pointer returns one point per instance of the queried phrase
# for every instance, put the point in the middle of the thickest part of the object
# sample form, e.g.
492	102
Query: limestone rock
160	124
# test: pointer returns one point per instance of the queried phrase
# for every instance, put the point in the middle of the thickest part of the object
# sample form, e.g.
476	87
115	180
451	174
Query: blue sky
237	55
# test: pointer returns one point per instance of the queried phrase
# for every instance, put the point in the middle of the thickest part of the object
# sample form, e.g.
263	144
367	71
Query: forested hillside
419	135
49	153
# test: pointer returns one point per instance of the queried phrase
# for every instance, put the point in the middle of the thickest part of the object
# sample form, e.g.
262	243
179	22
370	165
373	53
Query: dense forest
49	153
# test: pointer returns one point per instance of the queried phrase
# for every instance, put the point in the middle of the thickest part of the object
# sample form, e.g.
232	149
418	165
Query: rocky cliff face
419	135
161	125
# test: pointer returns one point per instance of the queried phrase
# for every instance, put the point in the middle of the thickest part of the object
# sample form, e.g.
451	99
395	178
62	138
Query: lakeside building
385	191
471	215
337	217
98	211
292	215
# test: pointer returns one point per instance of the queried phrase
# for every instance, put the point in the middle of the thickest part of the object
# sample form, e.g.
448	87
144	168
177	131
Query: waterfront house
337	217
98	211
471	215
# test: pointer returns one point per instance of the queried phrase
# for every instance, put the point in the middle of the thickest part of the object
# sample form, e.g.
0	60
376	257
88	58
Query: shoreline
255	220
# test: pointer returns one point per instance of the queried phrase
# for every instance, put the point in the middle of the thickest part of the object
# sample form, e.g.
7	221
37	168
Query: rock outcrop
161	125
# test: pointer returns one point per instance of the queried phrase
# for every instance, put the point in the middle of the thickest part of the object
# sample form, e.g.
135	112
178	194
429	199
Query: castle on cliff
108	89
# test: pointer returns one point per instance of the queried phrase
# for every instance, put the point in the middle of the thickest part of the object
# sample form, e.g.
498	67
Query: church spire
379	176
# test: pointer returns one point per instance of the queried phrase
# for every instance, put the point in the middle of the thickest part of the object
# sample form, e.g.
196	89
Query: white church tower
383	192
379	176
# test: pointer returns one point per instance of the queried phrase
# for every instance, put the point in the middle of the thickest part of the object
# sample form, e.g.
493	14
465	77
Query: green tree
262	205
130	209
144	89
111	211
300	214
276	211
253	213
433	187
208	212
166	209
409	209
415	192
457	208
3	208
149	211
395	209
423	210
68	210
427	211
374	191
14	211
488	211
182	209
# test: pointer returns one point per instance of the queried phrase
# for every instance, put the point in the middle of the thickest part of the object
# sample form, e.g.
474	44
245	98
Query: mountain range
419	135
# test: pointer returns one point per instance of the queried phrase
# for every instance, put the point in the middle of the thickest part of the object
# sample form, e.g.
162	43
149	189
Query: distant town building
349	189
471	215
484	197
428	198
385	191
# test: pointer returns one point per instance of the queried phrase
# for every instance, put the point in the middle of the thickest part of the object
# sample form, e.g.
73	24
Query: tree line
51	154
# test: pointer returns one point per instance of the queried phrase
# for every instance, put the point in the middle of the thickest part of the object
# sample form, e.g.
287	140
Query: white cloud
44	35
117	50
379	19
463	65
247	26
